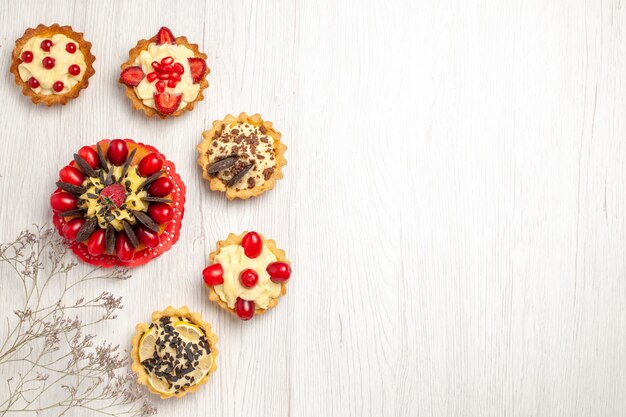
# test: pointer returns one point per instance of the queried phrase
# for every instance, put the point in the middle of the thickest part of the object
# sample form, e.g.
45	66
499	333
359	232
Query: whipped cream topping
91	201
185	87
233	261
252	145
63	60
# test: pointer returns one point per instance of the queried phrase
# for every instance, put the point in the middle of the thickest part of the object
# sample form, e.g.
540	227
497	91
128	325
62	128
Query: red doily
168	237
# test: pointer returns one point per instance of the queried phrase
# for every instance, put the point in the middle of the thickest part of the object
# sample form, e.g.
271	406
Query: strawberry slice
132	76
165	36
113	196
167	103
198	67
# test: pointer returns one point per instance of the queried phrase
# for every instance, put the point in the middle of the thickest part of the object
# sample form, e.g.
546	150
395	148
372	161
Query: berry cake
52	64
175	353
164	75
247	275
241	156
118	203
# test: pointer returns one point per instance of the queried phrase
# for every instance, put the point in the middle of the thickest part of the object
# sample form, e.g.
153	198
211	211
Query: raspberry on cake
52	64
247	275
164	75
119	203
241	156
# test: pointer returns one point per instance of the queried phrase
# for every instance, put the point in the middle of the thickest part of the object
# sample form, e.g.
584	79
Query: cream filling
145	90
233	261
133	198
227	146
63	60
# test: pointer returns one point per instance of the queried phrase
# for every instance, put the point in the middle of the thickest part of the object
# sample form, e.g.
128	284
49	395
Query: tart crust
217	184
141	328
43	30
136	102
233	239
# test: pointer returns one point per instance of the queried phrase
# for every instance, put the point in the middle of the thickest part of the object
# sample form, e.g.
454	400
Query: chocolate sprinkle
103	160
87	229
129	159
234	180
156	200
130	233
75	212
152	178
222	164
110	239
146	220
84	166
70	188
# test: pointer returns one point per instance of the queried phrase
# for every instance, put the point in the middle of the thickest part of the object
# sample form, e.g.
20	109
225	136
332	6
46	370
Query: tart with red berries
164	75
175	353
241	156
52	64
247	274
118	203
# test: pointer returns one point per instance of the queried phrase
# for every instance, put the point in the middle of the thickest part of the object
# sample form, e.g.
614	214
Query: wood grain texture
453	204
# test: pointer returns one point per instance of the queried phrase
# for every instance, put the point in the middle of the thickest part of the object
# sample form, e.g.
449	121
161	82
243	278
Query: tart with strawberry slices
175	353
164	75
52	64
118	203
241	156
247	274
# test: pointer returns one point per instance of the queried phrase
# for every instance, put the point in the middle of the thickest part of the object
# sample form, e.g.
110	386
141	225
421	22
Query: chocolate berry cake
119	203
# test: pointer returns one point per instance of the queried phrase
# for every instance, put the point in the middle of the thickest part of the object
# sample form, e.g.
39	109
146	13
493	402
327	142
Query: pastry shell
137	103
141	328
43	30
217	184
233	239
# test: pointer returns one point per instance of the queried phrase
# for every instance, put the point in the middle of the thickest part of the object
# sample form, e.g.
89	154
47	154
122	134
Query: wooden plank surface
453	204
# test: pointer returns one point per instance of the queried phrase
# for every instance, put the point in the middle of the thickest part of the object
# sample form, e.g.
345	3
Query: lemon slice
161	386
147	345
188	331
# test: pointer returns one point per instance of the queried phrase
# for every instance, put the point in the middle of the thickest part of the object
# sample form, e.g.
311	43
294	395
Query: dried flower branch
61	366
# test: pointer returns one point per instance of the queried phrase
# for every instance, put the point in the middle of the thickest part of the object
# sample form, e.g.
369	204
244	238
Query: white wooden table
453	204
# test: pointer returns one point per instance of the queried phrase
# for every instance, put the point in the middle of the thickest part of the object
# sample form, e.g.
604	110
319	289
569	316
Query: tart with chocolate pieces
118	203
52	64
247	274
165	75
241	156
175	353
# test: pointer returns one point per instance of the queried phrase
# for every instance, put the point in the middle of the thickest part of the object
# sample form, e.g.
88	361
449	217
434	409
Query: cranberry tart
175	353
241	156
247	274
118	203
52	64
164	75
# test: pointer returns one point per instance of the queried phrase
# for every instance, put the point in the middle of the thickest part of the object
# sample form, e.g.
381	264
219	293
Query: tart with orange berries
247	274
52	64
174	354
118	203
165	75
241	156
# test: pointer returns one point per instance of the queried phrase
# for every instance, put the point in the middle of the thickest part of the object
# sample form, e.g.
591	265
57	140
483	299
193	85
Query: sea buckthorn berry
244	308
149	165
161	187
48	62
70	47
27	56
161	212
117	152
58	86
71	175
46	44
33	83
63	201
74	69
252	244
213	274
248	278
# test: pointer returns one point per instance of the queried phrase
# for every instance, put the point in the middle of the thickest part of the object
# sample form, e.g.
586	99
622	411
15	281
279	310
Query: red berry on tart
247	274
52	64
165	75
105	207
